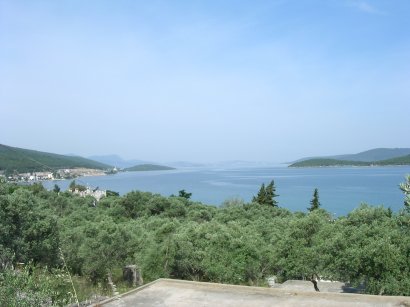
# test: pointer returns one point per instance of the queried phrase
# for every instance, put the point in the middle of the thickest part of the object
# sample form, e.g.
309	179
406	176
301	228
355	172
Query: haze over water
340	189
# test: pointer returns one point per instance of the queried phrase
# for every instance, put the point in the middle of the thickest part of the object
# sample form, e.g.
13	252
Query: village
59	174
84	191
62	174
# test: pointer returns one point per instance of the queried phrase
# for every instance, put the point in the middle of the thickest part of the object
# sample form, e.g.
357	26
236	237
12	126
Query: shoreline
342	166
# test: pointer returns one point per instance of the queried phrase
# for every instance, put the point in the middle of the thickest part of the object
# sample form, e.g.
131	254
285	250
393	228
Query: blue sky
205	80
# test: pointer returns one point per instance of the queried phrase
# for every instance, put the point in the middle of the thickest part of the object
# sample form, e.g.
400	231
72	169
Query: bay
340	189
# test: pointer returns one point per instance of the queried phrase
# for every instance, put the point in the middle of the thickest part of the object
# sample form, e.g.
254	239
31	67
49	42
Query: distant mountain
148	167
117	161
371	155
26	160
403	160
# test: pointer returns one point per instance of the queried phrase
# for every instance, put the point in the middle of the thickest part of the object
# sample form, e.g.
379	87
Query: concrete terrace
167	292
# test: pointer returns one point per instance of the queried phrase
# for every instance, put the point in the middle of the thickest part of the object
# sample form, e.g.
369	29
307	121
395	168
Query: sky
205	81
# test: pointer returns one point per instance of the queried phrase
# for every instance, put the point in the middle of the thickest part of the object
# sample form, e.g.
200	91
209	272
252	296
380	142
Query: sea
341	189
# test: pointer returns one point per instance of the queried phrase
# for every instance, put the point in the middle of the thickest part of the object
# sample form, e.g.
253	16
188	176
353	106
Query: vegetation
148	167
58	235
74	186
371	155
314	203
33	286
404	160
184	194
328	162
13	159
266	195
405	187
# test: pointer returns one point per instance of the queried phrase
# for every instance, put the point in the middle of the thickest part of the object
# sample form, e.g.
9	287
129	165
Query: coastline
347	165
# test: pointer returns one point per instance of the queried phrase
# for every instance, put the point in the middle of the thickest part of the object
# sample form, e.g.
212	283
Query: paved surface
166	292
324	286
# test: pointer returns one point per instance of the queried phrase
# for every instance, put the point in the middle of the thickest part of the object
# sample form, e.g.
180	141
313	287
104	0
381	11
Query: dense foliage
174	237
405	160
405	187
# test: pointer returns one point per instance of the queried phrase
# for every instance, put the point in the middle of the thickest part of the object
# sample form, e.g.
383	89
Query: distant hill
317	162
376	154
26	160
404	160
117	161
371	155
148	167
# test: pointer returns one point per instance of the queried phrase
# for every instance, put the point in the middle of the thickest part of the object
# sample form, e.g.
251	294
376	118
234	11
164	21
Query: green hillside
328	162
376	154
148	167
25	160
404	160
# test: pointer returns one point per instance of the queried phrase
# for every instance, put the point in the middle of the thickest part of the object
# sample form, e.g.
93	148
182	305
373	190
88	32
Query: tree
261	197
56	188
26	230
105	248
112	193
270	194
72	186
405	187
266	195
314	203
184	194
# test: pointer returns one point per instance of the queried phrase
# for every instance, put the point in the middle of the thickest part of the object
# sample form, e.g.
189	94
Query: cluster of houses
96	193
35	176
58	174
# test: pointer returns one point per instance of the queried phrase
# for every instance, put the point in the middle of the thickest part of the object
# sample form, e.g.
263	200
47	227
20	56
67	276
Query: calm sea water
340	189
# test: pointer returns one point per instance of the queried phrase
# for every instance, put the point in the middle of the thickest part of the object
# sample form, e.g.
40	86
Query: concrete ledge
170	292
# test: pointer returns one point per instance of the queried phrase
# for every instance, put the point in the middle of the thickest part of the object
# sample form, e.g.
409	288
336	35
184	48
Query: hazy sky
205	80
